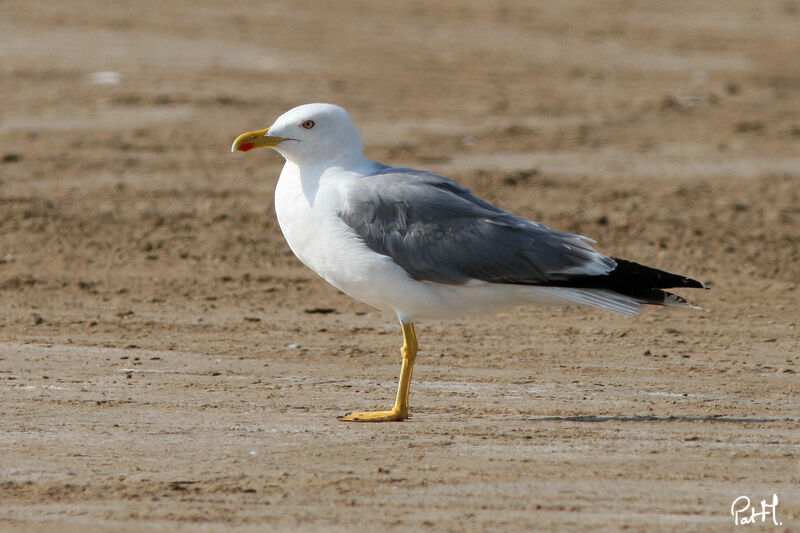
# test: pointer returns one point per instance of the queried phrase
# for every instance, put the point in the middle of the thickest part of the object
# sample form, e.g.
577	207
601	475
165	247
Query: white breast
324	243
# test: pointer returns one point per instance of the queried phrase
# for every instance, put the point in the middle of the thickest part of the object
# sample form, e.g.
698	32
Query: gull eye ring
308	124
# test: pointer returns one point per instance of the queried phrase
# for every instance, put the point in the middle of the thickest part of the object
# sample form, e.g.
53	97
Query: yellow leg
400	409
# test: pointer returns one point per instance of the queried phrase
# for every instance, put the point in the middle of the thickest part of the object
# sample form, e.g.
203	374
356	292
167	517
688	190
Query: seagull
422	246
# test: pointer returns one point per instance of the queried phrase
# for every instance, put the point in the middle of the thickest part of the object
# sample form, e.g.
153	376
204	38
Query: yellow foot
374	416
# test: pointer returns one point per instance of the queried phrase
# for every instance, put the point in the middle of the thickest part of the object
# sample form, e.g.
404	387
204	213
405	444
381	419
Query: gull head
310	134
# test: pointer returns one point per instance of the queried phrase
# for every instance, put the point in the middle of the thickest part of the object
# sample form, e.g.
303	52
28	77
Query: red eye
308	124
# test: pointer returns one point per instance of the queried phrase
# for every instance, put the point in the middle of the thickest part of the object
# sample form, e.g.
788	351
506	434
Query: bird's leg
413	337
400	409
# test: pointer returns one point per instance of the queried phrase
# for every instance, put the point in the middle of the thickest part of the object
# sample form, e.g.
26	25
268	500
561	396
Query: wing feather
438	231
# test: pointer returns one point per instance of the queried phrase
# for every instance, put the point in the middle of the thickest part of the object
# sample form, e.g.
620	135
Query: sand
167	364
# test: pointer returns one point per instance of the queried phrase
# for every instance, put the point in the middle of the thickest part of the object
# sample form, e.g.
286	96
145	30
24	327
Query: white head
307	135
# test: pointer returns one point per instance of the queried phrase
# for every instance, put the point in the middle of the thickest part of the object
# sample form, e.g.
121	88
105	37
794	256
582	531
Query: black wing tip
655	278
694	284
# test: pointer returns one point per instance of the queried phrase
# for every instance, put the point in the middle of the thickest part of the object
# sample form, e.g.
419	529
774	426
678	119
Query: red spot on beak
244	147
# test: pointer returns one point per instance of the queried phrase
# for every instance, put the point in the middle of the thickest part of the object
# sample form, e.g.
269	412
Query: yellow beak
254	139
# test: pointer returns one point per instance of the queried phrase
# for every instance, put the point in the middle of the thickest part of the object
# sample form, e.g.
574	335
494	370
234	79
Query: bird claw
395	415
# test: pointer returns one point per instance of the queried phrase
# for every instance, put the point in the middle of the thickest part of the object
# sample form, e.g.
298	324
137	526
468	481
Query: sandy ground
167	364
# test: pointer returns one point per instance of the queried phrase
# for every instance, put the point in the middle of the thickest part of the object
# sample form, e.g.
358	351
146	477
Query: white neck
345	166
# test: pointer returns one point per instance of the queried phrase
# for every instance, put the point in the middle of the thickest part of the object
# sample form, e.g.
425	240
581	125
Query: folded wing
438	231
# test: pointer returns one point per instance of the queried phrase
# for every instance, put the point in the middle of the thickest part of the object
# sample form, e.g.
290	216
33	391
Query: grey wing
438	231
